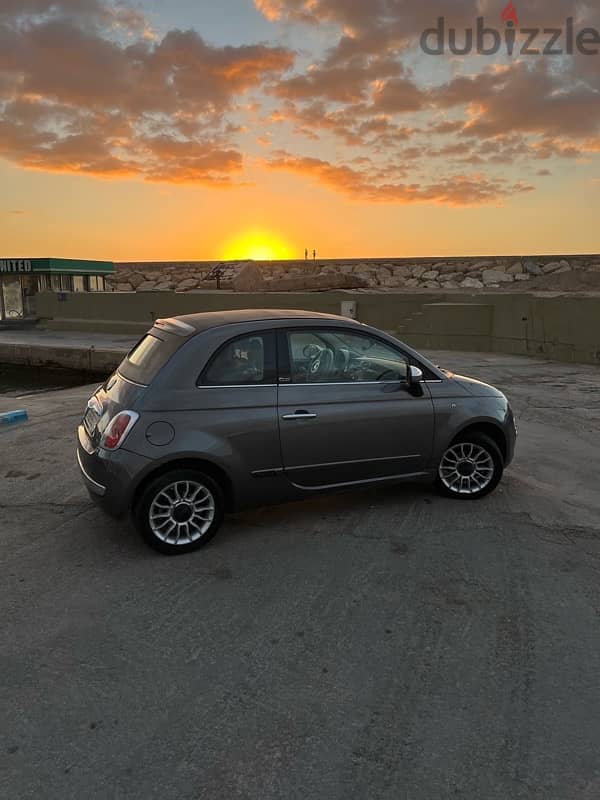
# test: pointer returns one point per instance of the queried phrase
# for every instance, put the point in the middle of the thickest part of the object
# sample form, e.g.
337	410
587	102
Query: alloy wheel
182	512
466	468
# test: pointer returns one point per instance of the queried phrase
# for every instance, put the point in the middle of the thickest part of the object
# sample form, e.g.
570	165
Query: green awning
55	266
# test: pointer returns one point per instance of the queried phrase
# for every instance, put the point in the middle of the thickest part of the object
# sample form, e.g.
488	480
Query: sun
256	245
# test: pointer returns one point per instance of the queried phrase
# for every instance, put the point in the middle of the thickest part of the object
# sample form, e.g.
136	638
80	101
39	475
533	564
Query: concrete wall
561	327
83	359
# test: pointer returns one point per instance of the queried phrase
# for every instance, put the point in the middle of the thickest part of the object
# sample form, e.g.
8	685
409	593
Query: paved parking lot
379	644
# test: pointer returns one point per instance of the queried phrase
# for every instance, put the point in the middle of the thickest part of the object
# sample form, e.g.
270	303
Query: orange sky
141	133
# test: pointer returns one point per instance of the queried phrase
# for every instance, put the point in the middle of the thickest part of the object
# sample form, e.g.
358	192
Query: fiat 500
217	412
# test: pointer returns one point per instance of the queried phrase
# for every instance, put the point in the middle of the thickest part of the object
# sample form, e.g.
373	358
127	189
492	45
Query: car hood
475	387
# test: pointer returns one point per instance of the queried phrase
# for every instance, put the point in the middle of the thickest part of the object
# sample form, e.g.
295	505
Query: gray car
221	411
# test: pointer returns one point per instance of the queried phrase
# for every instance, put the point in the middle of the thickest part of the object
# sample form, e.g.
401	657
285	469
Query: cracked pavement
386	643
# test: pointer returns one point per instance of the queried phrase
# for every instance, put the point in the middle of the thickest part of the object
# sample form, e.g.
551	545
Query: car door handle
299	415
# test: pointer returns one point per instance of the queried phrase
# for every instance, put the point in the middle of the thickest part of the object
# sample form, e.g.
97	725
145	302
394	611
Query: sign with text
15	265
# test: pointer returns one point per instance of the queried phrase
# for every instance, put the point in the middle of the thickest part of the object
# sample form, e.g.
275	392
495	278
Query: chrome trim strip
236	386
95	487
133	383
403	476
267	473
347	383
357	461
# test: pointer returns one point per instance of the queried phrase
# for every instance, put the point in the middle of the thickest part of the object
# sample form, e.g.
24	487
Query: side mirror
415	375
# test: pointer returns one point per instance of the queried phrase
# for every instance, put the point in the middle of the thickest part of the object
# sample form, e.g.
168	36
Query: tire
474	451
179	511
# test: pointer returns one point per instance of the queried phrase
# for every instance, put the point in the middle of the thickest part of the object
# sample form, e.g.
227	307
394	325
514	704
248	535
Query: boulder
418	271
523	277
451	276
135	279
553	266
412	283
249	279
449	269
451	285
431	285
403	271
494	276
393	281
564	263
187	284
471	283
532	268
431	275
515	269
566	268
347	282
123	287
146	286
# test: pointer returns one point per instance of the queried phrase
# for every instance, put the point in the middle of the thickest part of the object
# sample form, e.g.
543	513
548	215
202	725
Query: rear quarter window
149	356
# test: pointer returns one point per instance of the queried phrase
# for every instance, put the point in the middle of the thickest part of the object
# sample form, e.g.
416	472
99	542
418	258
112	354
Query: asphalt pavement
382	644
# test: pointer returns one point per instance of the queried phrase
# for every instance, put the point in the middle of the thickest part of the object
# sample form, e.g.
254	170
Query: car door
237	398
346	410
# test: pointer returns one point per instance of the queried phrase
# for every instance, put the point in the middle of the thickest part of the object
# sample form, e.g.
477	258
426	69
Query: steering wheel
311	351
322	365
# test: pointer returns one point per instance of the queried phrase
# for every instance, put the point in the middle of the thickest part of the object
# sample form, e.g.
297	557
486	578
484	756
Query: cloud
522	98
355	126
77	97
85	88
398	95
88	13
457	190
349	82
392	22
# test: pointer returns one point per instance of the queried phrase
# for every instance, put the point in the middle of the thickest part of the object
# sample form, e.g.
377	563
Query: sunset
256	245
191	130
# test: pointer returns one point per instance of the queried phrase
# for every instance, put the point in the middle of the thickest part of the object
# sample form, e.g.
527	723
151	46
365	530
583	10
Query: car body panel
476	388
118	472
359	432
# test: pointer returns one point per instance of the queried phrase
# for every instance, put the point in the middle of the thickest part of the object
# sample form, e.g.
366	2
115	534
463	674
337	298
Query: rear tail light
117	429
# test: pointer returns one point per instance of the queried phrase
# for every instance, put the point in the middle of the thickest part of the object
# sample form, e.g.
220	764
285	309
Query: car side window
337	356
245	361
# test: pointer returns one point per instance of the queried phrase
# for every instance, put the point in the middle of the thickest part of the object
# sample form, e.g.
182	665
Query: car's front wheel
180	511
470	467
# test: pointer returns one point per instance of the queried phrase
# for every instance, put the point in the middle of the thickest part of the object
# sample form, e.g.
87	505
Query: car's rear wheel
470	468
180	511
